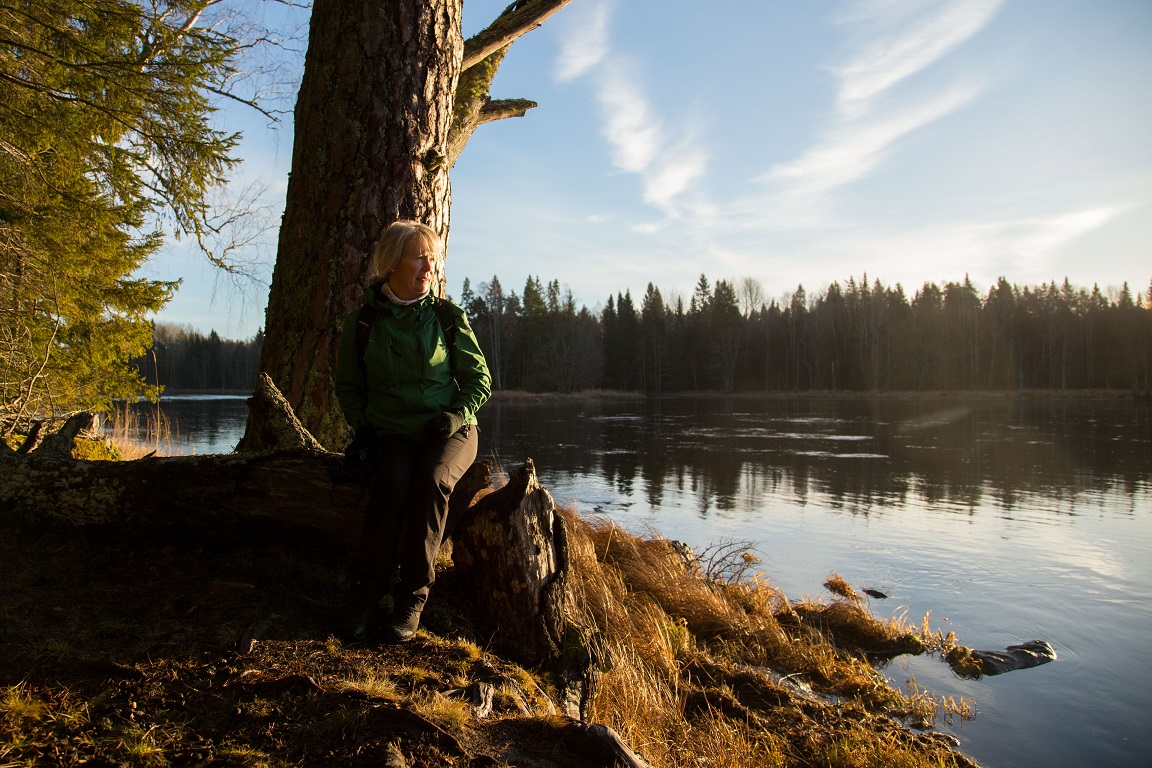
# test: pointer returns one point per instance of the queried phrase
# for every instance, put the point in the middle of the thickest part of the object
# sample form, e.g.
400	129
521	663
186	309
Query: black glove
360	455
444	425
362	442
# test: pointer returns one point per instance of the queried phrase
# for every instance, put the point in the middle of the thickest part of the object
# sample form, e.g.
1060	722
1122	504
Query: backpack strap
364	320
444	316
447	322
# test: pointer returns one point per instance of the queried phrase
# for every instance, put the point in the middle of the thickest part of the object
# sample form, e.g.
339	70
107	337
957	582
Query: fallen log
288	483
510	546
206	494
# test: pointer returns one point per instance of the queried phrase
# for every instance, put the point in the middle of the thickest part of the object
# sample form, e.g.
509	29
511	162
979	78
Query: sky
788	141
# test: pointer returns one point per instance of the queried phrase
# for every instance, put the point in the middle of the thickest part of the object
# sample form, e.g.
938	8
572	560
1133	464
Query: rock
1030	654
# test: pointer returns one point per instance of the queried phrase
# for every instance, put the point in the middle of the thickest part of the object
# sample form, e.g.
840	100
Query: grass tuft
17	706
135	433
708	657
451	714
838	586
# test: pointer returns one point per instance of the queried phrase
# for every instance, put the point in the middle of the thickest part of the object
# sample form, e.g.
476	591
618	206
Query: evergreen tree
697	329
627	359
533	337
652	340
928	351
104	117
798	370
492	325
727	333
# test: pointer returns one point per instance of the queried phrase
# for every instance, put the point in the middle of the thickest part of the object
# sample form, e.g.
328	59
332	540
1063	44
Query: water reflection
858	456
1007	520
199	423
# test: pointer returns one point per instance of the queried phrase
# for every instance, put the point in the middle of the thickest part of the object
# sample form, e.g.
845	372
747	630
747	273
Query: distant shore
520	396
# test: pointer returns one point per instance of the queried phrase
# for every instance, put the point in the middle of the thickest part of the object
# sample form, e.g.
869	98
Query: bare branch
517	19
504	108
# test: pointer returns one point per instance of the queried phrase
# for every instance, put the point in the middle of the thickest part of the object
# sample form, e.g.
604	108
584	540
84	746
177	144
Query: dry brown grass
706	666
838	586
136	434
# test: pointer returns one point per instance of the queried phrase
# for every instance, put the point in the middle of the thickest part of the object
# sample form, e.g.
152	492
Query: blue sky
791	142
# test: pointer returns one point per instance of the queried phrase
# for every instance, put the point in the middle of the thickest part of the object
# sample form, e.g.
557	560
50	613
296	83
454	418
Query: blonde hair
394	242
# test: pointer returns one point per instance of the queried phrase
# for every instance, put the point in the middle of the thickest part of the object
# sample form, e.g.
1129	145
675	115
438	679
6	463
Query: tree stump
511	550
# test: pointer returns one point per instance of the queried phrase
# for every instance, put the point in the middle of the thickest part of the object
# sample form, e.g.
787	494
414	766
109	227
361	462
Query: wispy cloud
1037	240
1025	249
629	125
640	143
906	37
893	41
585	42
672	175
637	136
851	150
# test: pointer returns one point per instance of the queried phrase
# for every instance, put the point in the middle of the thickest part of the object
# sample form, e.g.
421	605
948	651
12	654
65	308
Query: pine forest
727	337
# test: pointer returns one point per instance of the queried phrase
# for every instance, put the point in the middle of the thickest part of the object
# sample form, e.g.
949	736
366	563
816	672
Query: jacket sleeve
473	382
351	384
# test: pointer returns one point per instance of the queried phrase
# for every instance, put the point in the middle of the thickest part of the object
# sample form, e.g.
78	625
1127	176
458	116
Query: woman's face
412	277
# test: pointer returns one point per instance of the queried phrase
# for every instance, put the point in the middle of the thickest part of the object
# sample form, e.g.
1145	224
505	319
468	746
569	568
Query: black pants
407	512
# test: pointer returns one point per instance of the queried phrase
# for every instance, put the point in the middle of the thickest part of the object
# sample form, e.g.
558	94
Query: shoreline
524	396
521	396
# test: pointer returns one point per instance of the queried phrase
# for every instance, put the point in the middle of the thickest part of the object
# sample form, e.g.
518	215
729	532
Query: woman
409	380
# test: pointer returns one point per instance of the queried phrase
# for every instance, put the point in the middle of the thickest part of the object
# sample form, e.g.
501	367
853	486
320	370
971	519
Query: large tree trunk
372	122
383	113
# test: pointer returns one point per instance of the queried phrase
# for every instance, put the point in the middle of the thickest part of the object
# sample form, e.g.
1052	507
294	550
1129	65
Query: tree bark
371	122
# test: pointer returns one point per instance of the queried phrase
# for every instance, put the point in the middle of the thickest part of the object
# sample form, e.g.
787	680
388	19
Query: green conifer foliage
104	138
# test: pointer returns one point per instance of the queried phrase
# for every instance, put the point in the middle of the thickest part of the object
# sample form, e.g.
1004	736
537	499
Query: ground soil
120	650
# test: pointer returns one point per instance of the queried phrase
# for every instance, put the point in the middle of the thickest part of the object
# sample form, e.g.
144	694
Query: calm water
1008	521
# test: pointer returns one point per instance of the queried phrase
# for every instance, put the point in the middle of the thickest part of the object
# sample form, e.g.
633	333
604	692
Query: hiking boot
353	631
405	622
361	609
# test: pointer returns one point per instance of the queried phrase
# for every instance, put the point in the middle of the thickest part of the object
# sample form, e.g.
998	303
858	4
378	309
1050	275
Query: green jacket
407	376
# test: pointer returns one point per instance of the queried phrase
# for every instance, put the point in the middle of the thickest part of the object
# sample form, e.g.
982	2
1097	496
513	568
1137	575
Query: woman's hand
444	425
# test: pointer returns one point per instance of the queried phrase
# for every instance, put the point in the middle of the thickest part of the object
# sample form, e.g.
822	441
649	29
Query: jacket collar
374	295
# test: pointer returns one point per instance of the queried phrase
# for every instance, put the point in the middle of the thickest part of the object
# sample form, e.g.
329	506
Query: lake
1009	519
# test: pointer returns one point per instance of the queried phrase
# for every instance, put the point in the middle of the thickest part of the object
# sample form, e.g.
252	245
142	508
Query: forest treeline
727	337
183	359
854	336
